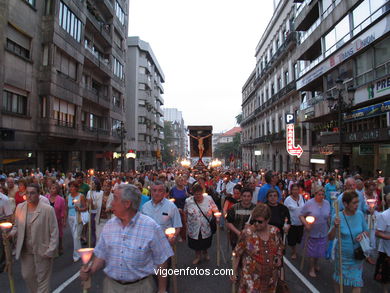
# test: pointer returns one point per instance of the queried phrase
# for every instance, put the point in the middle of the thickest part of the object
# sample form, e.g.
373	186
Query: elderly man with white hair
130	248
350	183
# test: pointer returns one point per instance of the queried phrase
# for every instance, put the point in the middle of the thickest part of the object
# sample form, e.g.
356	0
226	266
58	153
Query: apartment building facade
179	140
269	94
63	82
344	73
144	113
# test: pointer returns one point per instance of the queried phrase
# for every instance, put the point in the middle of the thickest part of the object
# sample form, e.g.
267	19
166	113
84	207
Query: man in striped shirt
130	248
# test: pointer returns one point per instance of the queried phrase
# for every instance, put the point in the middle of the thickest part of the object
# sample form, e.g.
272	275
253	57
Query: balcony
97	97
142	129
98	60
100	26
54	127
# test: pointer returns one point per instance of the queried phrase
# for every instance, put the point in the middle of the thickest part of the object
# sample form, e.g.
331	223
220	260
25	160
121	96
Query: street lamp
338	104
122	134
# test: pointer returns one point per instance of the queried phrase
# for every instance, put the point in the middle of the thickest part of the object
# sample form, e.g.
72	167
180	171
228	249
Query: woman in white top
382	270
94	196
197	208
294	203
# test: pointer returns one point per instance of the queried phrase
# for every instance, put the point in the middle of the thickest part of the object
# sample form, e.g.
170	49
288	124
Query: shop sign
370	111
379	88
292	150
355	46
366	149
372	135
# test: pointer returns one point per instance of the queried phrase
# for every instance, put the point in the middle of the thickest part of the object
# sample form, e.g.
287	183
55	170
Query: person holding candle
58	203
166	214
180	194
94	198
352	226
279	212
239	215
382	270
258	255
130	248
104	210
318	231
37	240
76	204
199	210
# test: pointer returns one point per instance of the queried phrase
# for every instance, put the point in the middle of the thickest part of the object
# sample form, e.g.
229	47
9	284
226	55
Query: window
31	2
115	125
69	22
142	86
17	42
272	89
286	80
116	98
43	107
295	70
117	39
119	13
14	103
65	64
118	69
64	112
280	85
337	36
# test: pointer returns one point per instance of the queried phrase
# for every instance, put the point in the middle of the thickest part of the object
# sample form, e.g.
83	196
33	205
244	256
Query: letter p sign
289	118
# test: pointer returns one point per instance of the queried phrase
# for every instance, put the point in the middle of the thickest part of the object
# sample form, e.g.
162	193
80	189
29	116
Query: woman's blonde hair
261	210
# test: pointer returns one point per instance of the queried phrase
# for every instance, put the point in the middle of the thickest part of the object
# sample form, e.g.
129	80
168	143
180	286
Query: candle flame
371	202
170	232
85	254
172	199
217	214
5	226
310	219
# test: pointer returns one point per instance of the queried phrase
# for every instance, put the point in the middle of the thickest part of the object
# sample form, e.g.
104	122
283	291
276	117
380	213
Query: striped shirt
132	252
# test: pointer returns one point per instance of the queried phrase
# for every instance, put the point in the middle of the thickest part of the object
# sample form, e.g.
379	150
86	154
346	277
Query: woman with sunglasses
317	232
258	254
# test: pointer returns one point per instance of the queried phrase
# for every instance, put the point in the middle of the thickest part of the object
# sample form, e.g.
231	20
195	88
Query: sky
206	50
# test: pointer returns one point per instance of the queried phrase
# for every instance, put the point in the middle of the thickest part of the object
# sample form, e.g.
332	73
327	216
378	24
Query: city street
64	269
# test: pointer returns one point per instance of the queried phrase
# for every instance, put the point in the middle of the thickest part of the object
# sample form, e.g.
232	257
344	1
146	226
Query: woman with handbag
76	204
199	210
353	227
258	255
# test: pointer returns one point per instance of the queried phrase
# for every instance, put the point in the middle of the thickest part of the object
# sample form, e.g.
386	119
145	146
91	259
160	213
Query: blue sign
370	111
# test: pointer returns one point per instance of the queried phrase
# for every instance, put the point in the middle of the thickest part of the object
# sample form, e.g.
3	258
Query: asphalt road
64	269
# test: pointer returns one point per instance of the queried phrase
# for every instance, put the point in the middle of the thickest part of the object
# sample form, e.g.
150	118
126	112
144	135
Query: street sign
290	141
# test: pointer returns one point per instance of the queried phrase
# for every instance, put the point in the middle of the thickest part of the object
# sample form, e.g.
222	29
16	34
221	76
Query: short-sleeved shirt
165	213
383	225
321	213
132	252
179	196
5	207
239	215
295	208
262	196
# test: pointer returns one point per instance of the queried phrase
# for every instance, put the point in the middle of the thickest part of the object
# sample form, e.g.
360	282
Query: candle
170	232
5	226
172	199
218	215
85	254
310	219
205	194
371	203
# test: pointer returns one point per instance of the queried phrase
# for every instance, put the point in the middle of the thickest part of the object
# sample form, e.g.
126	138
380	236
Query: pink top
59	208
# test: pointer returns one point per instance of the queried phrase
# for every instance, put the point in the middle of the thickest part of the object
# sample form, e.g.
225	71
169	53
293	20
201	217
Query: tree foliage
166	153
239	118
229	149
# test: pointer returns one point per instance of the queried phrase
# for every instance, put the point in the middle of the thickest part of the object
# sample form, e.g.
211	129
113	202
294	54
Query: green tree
226	150
166	153
239	118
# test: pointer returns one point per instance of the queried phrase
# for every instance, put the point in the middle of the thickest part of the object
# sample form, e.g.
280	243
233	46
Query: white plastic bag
365	245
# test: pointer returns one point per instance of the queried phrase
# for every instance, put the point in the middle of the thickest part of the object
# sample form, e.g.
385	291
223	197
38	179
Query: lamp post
122	134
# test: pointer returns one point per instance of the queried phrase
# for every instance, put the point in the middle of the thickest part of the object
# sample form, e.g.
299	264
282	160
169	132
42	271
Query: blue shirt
362	202
262	196
144	199
133	252
165	213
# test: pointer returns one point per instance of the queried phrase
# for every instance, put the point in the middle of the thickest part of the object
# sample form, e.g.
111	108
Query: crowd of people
266	214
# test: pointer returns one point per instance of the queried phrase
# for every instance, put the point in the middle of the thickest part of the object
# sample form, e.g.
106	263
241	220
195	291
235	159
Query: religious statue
200	140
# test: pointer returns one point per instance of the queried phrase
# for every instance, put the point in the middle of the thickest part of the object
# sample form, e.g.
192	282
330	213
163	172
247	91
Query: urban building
229	135
269	94
344	82
63	83
179	140
144	114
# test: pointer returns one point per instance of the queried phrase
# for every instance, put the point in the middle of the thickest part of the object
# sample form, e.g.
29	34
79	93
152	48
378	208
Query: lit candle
170	232
218	215
172	199
205	194
306	196
85	254
5	226
371	203
310	219
24	197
